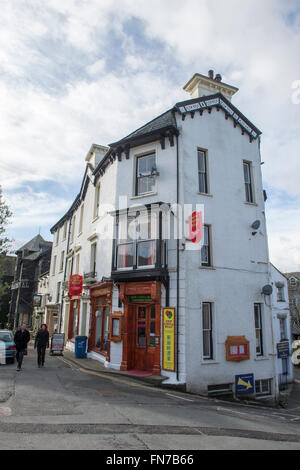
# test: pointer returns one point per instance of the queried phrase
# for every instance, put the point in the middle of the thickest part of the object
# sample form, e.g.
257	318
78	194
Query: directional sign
244	384
283	350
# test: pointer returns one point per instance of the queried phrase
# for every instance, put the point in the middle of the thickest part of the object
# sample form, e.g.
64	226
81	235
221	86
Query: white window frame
210	330
150	153
97	201
81	220
250	183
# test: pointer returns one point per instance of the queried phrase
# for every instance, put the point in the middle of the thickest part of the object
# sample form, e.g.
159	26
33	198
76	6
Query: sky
78	72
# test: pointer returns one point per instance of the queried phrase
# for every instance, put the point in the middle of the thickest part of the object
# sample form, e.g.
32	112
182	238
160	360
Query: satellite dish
256	225
267	290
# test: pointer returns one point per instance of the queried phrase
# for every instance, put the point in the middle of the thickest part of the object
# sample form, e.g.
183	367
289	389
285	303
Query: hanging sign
75	285
169	339
196	227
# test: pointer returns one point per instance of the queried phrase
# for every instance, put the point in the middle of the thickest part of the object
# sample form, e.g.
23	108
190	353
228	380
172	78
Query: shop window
116	327
102	325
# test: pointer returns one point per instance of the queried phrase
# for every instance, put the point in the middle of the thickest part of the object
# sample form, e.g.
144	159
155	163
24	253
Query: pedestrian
21	339
41	343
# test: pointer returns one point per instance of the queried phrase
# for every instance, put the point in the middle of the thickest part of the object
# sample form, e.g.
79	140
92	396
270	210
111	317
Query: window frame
248	184
97	201
206	175
135	243
80	228
207	264
259	329
136	183
209	331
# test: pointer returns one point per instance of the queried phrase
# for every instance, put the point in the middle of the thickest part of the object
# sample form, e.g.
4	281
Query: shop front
141	326
74	315
101	310
52	318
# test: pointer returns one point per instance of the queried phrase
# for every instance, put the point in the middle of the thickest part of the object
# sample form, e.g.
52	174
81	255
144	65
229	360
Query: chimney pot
211	74
218	78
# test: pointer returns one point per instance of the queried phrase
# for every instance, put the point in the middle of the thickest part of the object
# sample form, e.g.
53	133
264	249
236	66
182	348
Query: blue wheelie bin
80	347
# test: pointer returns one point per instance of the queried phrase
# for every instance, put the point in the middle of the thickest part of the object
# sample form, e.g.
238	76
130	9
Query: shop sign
136	299
169	339
244	384
283	350
37	300
75	285
57	343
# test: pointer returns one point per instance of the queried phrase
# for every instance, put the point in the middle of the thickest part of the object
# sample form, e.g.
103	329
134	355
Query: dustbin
80	347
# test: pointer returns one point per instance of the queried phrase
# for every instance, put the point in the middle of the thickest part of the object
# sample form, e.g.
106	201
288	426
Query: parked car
7	337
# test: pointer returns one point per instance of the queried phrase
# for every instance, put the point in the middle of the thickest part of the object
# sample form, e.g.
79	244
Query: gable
218	101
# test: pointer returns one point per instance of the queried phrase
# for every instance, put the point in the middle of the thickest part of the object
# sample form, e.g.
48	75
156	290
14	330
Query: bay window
136	246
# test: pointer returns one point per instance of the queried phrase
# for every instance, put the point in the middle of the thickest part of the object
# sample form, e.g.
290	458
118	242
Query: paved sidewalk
97	366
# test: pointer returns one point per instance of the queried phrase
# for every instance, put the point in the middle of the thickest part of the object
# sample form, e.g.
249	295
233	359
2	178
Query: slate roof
289	275
163	121
35	244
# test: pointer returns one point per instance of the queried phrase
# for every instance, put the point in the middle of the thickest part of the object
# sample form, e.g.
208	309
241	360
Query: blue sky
79	72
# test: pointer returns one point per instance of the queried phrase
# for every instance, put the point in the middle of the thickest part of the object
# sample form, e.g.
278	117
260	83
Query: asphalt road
61	407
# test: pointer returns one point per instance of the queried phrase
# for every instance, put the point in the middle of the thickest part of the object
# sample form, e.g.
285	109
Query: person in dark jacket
21	339
41	343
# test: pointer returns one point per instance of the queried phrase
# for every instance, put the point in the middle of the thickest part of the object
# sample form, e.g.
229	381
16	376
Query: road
61	407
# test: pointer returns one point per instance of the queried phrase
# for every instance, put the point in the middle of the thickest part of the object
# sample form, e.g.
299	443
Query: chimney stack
208	85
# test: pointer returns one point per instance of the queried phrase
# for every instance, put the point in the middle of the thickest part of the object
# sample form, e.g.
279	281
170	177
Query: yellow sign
169	339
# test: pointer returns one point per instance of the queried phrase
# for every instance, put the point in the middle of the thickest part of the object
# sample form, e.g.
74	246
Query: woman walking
41	343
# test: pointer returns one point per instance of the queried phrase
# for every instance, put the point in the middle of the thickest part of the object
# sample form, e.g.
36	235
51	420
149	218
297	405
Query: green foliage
5	215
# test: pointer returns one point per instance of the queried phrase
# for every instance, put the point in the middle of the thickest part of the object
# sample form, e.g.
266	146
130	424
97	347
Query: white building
281	324
202	152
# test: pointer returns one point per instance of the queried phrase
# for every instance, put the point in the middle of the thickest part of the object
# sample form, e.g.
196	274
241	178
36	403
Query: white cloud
74	72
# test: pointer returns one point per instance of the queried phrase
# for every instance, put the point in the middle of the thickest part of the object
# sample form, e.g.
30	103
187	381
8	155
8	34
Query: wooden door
145	332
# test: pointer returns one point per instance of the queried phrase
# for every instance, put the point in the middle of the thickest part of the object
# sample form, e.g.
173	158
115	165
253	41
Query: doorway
145	337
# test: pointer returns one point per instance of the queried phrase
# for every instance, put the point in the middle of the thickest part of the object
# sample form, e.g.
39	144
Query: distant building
40	298
294	297
6	277
33	259
281	324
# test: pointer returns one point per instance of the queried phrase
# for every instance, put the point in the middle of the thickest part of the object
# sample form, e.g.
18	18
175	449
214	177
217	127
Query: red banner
75	285
196	227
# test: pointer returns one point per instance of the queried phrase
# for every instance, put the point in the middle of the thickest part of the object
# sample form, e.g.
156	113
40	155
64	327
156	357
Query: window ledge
209	362
95	219
263	358
209	268
251	204
205	194
143	196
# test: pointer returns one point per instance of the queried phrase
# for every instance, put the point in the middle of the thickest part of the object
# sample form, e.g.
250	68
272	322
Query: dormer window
145	174
293	282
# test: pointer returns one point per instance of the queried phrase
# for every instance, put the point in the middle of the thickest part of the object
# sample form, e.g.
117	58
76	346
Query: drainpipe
178	266
65	275
274	352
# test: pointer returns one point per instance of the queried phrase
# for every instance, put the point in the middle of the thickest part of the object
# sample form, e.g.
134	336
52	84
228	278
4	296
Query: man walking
41	343
21	339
